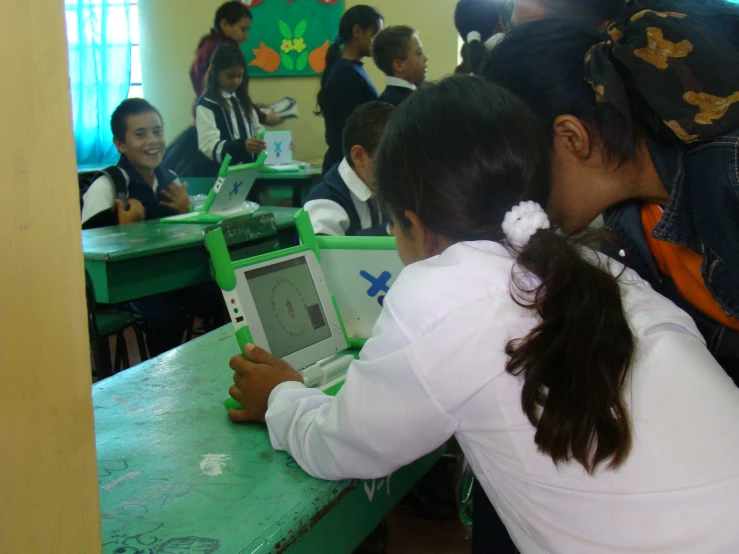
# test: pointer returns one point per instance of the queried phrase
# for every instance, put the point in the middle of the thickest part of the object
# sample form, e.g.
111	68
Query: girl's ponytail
575	361
573	364
332	56
366	17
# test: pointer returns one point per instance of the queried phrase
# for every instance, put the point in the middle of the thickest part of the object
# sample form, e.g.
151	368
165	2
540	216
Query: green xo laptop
226	199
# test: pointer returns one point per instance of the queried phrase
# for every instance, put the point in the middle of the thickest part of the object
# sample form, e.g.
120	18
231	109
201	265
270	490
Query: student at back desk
343	203
150	192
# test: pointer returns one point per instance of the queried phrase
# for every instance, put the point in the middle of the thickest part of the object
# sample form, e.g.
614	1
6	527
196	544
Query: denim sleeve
712	176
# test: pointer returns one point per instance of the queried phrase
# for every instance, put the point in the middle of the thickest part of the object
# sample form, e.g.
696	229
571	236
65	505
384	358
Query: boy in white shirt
398	53
343	203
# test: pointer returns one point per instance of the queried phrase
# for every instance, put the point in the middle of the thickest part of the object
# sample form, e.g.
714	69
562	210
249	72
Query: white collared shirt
435	368
329	218
395	82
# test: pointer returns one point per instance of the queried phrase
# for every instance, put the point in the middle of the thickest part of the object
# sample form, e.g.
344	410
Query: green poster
289	38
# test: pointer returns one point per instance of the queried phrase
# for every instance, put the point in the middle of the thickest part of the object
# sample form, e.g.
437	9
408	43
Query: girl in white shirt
225	117
587	405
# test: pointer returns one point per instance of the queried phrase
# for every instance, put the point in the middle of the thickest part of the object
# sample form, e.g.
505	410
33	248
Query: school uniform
342	204
165	314
224	132
98	208
396	91
346	87
199	67
436	365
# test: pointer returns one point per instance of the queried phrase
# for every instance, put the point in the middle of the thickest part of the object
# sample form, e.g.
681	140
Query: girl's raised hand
255	146
256	374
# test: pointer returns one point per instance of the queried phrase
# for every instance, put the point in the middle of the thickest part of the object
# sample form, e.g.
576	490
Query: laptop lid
359	272
280	302
279	147
232	186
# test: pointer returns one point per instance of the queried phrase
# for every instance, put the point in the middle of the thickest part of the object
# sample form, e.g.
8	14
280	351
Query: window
99	34
137	88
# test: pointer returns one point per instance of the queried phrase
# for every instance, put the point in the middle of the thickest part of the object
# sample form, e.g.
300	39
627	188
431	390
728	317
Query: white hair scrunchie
523	221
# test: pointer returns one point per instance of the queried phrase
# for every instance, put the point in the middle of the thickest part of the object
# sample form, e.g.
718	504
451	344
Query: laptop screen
288	305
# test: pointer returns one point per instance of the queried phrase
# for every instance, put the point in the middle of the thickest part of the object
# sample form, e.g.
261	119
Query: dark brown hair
575	361
232	12
391	44
594	11
226	56
364	127
127	108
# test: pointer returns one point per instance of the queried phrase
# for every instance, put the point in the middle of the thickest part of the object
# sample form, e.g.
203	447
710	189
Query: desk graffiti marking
106	468
179	545
376	486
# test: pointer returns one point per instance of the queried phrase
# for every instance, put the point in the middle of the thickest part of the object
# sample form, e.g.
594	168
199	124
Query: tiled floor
409	533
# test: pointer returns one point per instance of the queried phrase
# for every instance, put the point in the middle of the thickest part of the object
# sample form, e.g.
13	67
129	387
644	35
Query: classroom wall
48	472
171	29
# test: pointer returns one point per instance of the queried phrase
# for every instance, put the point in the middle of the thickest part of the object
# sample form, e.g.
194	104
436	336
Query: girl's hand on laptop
179	201
292	145
255	375
255	146
135	212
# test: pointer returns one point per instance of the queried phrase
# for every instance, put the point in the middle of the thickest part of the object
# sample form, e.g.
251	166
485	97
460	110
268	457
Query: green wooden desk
263	192
177	477
139	260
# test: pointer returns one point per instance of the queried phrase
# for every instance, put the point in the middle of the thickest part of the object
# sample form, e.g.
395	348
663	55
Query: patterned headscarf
687	76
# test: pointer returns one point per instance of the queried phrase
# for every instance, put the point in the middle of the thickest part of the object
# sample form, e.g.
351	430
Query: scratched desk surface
177	477
142	239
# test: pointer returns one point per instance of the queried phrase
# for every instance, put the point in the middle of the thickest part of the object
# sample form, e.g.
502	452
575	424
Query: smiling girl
225	117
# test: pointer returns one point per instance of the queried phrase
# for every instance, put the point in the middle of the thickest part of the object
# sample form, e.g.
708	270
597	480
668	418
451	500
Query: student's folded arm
382	419
327	217
209	137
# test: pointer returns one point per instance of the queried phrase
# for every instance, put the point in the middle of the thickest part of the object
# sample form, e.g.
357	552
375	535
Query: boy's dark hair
364	127
366	17
232	12
461	190
129	107
226	56
391	44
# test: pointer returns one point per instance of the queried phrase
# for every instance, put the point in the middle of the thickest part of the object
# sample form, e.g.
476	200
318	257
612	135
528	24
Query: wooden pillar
48	476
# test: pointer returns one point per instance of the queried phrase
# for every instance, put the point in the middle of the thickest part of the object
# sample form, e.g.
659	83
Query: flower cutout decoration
299	45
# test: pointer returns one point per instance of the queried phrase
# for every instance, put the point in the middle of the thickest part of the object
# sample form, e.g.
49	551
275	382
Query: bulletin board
290	38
